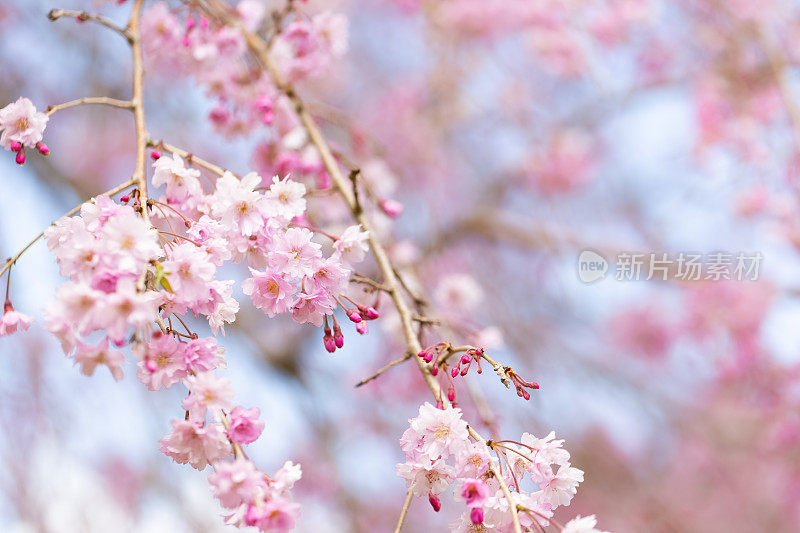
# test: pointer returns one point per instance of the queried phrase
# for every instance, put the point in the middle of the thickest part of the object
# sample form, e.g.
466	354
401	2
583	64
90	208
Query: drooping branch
137	101
260	49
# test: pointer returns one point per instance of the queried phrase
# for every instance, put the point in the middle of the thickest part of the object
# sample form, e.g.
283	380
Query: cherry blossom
21	123
13	320
195	443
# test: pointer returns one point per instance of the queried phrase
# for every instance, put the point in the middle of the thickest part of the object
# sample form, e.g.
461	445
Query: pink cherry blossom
13	320
276	514
236	482
20	122
181	182
269	291
245	427
285	198
88	357
312	307
203	355
440	432
286	477
582	525
190	272
295	255
474	492
562	487
207	391
195	443
163	363
237	203
351	247
426	477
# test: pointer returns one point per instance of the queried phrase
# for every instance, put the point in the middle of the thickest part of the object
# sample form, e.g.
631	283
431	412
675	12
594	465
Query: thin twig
377	374
219	171
71	212
404	511
84	16
98	100
358	278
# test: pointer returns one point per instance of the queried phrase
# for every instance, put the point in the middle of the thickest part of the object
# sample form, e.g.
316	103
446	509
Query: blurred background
516	134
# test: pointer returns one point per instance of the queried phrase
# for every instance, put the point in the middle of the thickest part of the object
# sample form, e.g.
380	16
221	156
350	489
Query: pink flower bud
219	116
203	22
190	23
43	149
354	316
15	146
454	371
329	343
476	515
155	155
338	338
435	503
20	159
125	198
264	103
392	208
186	42
451	394
368	313
361	327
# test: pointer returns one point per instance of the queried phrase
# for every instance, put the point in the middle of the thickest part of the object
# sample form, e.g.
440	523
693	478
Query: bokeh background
516	133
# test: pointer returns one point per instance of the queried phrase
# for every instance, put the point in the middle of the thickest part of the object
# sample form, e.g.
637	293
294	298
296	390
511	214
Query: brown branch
260	49
404	511
190	158
98	100
377	374
358	278
84	16
137	102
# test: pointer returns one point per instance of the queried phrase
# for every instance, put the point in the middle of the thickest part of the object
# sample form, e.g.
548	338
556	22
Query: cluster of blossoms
440	454
264	227
246	98
21	125
126	276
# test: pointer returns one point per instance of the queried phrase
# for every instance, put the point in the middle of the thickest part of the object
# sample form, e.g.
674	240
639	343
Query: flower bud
476	515
368	313
434	501
392	208
20	159
338	338
15	146
43	149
